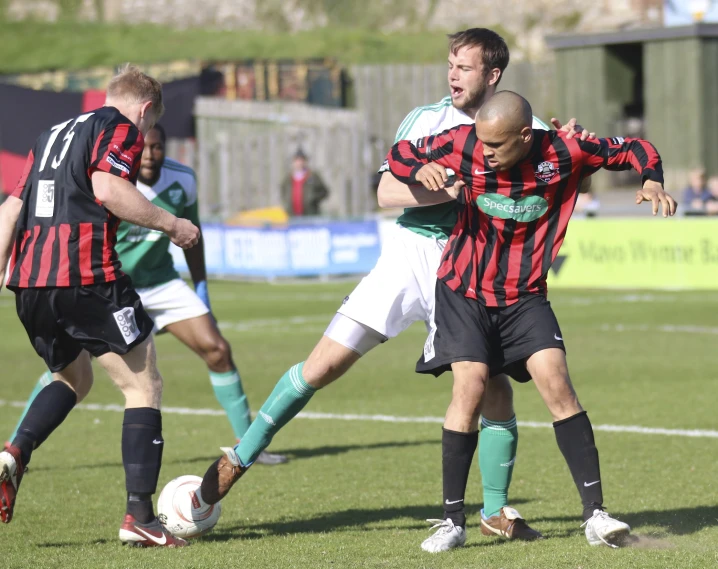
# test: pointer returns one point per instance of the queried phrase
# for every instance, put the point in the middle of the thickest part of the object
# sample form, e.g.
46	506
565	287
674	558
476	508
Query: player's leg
459	340
384	303
36	309
135	374
44	380
574	435
328	361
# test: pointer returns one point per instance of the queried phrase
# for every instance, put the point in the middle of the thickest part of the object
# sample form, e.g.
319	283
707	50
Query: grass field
34	46
356	492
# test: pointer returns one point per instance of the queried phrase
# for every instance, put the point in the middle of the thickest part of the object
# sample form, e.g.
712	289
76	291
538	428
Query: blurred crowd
700	197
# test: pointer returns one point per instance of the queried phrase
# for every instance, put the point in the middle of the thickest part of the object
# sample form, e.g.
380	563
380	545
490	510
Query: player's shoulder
178	171
422	115
178	168
538	124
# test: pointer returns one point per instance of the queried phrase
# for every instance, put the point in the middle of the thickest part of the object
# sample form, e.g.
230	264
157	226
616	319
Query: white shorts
400	289
171	302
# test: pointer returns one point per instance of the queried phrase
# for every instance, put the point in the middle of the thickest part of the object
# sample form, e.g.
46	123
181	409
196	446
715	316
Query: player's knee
217	353
328	361
82	388
498	402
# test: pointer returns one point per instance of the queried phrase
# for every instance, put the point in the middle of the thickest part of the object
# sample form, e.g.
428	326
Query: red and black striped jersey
65	236
512	223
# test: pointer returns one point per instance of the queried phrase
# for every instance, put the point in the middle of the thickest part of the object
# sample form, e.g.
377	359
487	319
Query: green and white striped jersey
437	220
144	253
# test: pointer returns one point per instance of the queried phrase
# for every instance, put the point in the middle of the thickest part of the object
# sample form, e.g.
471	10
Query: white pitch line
636	429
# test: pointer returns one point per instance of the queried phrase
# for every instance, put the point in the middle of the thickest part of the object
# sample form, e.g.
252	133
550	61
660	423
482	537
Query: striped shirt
512	223
64	235
437	220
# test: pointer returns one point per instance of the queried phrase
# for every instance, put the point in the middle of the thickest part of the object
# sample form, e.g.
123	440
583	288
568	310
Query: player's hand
183	233
653	192
455	190
572	129
432	176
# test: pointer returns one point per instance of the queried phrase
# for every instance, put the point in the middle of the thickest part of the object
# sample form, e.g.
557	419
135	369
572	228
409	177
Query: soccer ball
182	511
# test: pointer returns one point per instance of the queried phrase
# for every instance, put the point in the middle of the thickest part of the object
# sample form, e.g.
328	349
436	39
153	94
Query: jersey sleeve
411	128
22	182
622	154
118	150
406	158
538	124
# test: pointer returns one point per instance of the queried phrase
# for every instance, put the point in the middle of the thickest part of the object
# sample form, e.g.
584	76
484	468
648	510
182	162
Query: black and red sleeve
620	153
406	157
118	151
22	182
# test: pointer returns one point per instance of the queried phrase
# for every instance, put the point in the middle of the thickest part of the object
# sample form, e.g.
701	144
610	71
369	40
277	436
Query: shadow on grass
675	521
292	454
348	520
100	541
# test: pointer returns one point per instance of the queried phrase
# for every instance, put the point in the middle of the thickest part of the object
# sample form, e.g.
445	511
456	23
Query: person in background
696	194
712	202
303	189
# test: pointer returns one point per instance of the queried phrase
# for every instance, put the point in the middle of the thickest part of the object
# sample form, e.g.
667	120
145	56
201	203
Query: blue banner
332	248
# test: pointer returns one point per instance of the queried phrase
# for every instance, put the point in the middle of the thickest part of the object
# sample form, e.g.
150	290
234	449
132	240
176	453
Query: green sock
44	381
289	397
497	454
228	391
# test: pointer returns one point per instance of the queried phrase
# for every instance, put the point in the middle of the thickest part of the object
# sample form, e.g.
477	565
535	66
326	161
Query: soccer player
492	314
398	292
61	223
169	301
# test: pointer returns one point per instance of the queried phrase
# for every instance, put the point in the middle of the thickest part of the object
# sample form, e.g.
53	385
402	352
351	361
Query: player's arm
393	193
425	161
9	214
625	153
10	211
195	257
113	170
126	202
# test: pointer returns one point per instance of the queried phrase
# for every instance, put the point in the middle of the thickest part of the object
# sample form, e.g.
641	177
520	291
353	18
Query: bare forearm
195	262
393	193
126	202
9	214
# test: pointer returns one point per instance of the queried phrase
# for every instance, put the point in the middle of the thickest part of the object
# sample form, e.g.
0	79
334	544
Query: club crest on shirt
175	196
546	171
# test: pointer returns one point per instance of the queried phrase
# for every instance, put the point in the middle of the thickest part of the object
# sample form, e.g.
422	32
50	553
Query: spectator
712	203
696	194
302	189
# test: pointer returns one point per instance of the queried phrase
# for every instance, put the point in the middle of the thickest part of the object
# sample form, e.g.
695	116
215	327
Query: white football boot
447	536
602	529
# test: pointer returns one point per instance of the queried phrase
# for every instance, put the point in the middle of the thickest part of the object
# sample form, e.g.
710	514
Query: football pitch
365	466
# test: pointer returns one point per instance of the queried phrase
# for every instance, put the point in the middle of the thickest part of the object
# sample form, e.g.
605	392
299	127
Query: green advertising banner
651	253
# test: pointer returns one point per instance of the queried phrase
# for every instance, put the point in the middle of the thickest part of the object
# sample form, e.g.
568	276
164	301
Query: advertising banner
645	253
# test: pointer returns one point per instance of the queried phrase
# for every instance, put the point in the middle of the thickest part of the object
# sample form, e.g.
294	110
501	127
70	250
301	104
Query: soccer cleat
447	536
602	529
221	476
11	473
270	458
508	523
153	534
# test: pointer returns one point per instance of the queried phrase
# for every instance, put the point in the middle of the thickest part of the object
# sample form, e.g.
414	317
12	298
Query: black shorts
502	338
101	318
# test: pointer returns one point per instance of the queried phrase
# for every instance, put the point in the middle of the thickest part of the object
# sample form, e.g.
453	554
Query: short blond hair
135	86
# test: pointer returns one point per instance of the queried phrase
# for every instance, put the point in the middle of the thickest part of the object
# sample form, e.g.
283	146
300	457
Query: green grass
356	493
34	46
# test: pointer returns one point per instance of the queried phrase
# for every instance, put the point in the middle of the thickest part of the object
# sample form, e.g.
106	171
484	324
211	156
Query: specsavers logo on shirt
528	208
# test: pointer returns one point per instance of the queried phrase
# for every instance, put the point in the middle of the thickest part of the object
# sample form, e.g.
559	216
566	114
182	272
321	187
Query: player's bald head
503	125
507	110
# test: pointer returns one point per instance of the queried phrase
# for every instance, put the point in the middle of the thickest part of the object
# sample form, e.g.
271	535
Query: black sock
142	446
140	506
575	439
457	453
47	412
